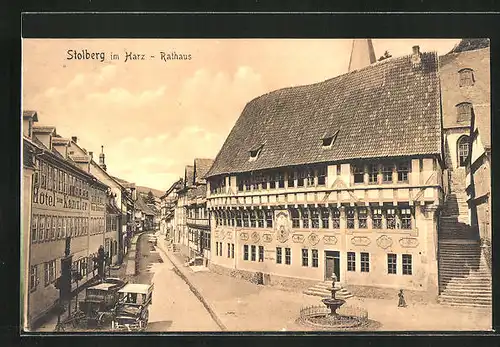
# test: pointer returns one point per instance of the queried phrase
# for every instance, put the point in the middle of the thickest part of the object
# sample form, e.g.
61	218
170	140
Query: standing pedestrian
402	302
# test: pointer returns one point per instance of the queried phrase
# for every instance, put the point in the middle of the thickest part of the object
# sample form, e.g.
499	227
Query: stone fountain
333	303
349	317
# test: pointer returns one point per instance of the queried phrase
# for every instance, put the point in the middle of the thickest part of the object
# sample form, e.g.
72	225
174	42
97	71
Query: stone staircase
464	277
322	289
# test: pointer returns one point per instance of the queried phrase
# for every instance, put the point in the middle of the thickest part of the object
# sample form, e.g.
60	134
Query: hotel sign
58	200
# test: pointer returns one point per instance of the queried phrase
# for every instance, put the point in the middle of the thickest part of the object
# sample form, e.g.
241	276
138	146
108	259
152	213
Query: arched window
463	150
466	77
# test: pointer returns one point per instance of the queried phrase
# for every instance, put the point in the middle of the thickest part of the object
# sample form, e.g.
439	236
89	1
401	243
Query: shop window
253	254
315	218
278	255
466	77
335	218
362	218
288	256
272	181
365	262
261	218
359	173
407	264
391	263
315	258
34	279
305	257
34	228
325	218
239	218
406	218
301	177
310	178
377	218
261	253
253	219
48	228
246	217
387	173
350	217
403	170
305	218
390	214
59	228
322	176
291	179
280	177
269	218
463	150
295	218
351	261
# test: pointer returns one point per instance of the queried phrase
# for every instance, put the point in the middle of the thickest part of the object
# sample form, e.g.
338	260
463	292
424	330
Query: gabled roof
201	167
176	185
44	129
30	114
387	109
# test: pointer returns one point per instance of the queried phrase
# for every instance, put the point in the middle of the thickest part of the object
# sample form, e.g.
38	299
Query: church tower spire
362	54
101	159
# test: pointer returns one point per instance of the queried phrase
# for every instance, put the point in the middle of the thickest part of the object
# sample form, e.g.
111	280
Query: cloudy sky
154	117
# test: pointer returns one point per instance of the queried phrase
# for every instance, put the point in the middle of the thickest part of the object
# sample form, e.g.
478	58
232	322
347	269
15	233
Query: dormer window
328	139
255	152
466	77
464	112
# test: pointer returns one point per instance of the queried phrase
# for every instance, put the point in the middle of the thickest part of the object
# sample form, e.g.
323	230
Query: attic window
255	152
466	77
329	138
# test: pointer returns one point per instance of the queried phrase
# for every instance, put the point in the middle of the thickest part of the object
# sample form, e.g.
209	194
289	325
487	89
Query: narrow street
174	307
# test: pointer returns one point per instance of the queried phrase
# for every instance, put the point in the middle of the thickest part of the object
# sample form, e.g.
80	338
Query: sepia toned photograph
267	185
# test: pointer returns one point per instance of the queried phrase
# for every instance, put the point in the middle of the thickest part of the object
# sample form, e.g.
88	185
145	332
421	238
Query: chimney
416	59
74	139
91	155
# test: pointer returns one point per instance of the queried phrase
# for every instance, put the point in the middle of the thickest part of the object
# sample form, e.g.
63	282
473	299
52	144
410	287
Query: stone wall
268	279
411	296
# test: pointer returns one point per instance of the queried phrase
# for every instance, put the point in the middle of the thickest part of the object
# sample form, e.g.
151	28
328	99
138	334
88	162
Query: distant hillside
142	189
145	190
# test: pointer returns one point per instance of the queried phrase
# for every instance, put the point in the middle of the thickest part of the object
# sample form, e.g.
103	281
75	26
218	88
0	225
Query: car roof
136	288
103	286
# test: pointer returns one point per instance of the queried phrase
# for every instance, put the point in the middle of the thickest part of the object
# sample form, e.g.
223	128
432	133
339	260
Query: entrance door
332	265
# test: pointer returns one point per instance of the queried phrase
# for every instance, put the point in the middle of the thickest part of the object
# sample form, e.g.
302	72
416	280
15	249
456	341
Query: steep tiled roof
386	109
201	167
189	175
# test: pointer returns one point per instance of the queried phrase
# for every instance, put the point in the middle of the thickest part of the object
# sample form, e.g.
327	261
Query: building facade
465	222
197	216
67	211
355	191
168	205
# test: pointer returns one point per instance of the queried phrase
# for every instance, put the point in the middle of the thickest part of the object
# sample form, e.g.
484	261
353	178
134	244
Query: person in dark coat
402	302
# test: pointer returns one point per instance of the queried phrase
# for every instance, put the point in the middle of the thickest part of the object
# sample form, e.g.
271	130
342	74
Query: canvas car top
137	288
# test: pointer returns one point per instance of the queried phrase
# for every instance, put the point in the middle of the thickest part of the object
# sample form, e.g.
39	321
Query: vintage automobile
132	309
115	280
98	304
